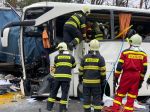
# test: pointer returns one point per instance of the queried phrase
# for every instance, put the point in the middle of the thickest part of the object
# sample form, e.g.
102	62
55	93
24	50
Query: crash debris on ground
9	89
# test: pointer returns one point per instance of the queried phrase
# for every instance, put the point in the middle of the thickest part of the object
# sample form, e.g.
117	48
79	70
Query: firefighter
92	74
98	34
63	63
132	67
75	28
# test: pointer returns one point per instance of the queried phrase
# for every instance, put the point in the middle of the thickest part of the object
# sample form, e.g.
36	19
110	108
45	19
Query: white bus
54	15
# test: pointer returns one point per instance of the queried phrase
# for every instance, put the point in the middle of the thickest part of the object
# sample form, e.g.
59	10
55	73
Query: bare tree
147	4
123	3
79	1
141	3
23	3
98	2
127	1
12	2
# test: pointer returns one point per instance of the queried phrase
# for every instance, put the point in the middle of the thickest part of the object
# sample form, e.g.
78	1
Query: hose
125	30
106	82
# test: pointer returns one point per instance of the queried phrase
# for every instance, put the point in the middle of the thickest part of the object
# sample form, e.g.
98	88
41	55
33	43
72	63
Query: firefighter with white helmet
92	73
135	40
75	28
94	45
86	10
62	46
64	62
131	67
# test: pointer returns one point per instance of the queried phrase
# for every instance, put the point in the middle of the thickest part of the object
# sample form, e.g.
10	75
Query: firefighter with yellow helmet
132	66
92	74
64	62
75	28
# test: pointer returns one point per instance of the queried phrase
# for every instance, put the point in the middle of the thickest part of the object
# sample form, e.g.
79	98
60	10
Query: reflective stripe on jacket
131	60
64	63
92	69
78	21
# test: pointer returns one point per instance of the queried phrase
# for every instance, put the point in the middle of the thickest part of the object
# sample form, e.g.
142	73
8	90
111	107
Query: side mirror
4	39
6	30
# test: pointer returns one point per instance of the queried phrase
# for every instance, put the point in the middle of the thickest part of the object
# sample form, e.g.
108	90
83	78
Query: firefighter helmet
94	45
135	40
62	46
86	9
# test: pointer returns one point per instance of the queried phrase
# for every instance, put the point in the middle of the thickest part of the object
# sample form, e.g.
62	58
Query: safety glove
148	81
140	84
75	42
115	81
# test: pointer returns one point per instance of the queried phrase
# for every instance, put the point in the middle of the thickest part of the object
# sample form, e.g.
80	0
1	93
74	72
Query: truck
53	15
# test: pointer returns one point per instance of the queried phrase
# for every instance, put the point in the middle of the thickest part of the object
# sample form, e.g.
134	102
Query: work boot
95	110
87	110
51	110
62	108
49	106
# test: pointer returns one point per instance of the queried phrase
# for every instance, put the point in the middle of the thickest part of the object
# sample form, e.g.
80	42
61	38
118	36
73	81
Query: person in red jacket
132	67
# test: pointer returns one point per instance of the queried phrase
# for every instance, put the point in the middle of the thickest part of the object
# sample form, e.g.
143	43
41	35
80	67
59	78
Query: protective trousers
128	87
88	93
72	34
52	98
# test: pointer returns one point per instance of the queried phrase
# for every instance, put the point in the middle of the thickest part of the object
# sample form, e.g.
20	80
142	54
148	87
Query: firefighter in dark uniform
63	63
132	67
98	34
92	74
75	28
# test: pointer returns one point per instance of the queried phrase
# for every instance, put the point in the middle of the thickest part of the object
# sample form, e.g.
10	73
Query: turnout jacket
92	69
78	21
132	60
63	64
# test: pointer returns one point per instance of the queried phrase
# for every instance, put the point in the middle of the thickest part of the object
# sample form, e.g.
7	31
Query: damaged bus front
34	54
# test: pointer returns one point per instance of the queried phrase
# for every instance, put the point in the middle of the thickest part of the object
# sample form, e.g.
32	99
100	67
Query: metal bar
112	24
